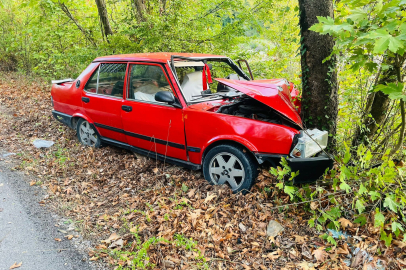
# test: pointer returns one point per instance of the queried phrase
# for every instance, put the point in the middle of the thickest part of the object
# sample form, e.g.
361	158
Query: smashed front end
308	156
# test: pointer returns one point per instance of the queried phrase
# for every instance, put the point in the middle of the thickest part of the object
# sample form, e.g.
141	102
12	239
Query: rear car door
102	99
149	124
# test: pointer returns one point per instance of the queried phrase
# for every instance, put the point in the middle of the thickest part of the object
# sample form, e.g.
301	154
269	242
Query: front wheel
230	165
87	135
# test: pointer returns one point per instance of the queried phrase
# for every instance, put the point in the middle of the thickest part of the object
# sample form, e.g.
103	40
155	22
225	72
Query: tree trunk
375	114
140	10
319	80
101	8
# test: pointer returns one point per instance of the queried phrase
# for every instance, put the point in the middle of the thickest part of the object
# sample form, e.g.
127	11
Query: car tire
231	165
87	134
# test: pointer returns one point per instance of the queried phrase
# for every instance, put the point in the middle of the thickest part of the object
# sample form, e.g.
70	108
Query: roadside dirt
139	213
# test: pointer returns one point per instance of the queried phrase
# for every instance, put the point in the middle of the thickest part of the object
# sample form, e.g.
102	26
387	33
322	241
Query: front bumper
310	169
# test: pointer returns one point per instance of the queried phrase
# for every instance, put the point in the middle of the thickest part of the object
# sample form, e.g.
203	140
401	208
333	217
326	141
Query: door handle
85	99
127	108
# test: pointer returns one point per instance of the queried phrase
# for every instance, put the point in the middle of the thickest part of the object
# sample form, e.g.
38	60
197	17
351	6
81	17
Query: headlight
310	143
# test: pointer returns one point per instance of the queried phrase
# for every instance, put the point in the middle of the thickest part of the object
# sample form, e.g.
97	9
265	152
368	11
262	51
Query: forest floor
141	213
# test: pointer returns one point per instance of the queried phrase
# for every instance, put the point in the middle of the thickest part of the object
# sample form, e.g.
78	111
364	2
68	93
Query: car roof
153	57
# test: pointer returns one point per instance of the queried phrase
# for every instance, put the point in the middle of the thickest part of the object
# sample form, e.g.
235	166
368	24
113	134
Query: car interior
145	81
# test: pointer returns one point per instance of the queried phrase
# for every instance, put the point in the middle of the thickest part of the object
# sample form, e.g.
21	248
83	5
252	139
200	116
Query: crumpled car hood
274	93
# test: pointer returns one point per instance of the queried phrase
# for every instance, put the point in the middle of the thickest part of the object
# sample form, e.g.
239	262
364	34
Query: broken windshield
195	76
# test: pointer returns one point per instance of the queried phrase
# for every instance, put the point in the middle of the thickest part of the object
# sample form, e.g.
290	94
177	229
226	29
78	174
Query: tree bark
140	10
319	80
375	113
104	19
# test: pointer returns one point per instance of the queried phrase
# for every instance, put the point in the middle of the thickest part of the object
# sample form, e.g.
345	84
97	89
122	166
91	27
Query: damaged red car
195	110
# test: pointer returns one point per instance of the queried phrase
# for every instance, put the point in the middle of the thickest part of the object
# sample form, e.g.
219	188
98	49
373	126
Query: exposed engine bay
250	108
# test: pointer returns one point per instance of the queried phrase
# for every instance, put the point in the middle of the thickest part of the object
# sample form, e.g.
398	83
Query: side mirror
165	96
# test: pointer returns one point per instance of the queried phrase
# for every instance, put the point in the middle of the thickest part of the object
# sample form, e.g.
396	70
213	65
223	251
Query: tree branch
85	33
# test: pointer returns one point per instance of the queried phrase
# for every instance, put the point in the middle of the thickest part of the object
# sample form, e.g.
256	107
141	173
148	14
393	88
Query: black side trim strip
150	154
143	137
63	118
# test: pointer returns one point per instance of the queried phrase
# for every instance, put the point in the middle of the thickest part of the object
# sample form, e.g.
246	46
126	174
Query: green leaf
359	205
374	195
290	190
381	45
379	219
345	186
386	41
362	189
184	188
389	202
331	240
358	15
386	238
361	219
396	228
395	91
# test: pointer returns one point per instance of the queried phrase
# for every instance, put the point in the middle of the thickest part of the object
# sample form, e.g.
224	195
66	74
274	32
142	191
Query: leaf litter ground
141	213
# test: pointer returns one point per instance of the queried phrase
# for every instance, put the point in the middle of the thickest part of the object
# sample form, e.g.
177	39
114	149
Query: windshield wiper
205	95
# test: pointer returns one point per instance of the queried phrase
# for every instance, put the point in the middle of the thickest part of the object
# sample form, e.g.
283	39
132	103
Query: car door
148	124
102	98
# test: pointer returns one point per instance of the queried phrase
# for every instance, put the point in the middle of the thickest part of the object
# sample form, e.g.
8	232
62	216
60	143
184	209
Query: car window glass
91	85
111	79
145	81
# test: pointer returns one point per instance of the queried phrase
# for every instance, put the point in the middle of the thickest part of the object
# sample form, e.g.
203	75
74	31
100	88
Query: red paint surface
195	125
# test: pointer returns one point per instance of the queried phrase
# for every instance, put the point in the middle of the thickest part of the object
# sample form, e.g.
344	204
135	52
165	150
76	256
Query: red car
167	106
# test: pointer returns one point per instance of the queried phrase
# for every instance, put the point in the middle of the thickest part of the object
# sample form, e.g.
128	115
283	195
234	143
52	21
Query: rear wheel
87	135
230	165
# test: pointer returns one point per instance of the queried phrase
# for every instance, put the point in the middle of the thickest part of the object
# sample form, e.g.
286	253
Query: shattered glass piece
337	234
8	154
42	143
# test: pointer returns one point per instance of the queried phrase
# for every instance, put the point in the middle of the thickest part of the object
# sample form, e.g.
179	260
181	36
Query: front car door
102	99
153	126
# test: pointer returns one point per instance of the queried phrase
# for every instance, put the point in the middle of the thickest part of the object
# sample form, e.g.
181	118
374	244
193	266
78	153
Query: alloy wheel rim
87	134
226	168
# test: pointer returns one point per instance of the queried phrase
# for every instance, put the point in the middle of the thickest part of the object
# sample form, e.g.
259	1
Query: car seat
118	89
192	85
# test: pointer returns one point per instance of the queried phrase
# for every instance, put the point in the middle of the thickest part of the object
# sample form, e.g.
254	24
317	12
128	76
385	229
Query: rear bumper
63	118
310	169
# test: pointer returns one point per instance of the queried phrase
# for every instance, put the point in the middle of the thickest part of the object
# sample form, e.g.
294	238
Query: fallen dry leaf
94	258
32	183
273	255
314	205
400	244
112	237
299	239
305	266
58	239
345	223
69	237
209	198
320	254
117	244
16	265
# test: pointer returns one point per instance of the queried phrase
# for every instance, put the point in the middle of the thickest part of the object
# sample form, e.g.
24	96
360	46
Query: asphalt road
27	229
